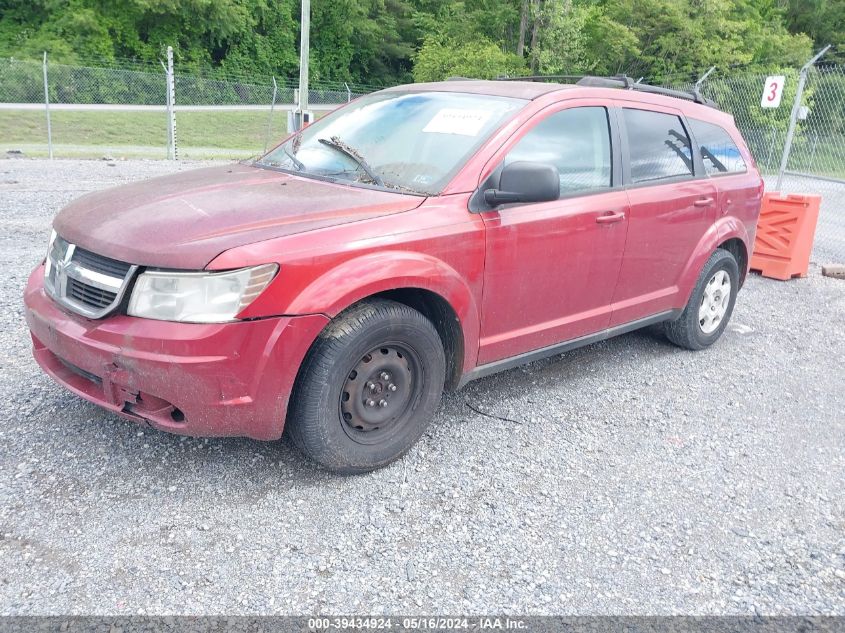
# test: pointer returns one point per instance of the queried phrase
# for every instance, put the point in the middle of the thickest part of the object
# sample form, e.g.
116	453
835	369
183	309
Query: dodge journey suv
414	240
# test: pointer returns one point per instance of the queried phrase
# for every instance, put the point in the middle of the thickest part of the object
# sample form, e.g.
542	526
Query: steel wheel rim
380	393
715	302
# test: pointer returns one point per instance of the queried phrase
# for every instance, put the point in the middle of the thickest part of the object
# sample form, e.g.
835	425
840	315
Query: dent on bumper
192	379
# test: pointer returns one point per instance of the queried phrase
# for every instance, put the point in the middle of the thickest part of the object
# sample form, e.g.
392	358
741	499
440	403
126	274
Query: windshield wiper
352	153
300	166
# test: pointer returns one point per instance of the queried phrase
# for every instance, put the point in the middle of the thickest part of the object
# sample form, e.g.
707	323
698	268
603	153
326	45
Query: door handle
703	202
610	218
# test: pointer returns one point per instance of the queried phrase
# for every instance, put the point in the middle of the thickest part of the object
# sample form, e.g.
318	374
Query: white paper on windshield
455	121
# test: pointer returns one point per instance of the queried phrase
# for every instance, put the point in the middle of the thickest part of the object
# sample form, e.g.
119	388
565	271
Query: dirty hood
185	220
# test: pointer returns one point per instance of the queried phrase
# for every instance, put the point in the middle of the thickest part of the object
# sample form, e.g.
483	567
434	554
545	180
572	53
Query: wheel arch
419	281
736	247
445	320
730	234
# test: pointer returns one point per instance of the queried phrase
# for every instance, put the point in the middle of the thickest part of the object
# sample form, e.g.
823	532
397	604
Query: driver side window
577	142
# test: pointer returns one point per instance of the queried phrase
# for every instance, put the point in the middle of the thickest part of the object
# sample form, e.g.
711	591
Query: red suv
415	239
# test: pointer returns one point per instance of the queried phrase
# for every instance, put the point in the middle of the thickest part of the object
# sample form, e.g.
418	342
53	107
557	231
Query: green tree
679	36
477	58
466	39
384	41
560	46
822	20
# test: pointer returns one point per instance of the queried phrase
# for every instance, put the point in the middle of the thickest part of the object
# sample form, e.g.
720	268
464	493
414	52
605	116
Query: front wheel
710	305
368	387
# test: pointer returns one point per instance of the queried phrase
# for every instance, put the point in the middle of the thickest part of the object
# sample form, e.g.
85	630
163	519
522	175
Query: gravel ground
627	477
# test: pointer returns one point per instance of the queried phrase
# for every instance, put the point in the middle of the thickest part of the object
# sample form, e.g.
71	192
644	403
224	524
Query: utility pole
304	46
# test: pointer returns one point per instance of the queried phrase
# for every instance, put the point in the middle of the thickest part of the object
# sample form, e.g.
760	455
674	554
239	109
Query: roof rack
538	77
621	81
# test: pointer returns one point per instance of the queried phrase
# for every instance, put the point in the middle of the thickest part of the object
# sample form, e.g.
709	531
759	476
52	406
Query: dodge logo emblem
61	271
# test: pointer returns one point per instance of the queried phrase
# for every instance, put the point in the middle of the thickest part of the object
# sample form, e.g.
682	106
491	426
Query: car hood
185	220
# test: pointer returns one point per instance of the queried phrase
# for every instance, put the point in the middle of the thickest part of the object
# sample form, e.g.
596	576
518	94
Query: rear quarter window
719	153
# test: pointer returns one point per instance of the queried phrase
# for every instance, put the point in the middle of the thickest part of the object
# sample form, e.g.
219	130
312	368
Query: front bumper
227	379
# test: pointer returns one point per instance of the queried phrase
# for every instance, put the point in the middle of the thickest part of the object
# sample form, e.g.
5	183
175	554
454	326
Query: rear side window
658	146
577	142
718	150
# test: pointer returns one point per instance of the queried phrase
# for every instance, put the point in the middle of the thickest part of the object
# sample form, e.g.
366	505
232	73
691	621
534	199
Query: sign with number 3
773	91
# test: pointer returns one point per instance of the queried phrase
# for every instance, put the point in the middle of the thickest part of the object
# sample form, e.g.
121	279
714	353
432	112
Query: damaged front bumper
226	379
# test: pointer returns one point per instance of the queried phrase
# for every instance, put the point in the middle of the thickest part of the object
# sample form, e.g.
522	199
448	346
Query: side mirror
524	181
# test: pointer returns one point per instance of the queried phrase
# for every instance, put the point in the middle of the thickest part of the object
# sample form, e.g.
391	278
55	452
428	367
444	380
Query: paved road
626	477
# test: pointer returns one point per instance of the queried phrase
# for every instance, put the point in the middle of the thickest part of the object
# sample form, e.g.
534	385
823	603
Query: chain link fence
815	159
123	112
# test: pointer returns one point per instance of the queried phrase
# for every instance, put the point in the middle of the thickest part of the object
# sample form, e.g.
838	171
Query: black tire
687	331
344	414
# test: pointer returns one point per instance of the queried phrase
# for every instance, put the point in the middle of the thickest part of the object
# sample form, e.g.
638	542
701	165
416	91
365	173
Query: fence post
47	109
270	118
793	117
348	92
171	105
703	77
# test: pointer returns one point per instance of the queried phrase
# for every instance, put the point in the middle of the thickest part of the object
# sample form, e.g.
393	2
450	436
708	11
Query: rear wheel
368	387
710	305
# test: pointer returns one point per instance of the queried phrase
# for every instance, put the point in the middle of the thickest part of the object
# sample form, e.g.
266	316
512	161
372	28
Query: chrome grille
89	284
100	264
89	295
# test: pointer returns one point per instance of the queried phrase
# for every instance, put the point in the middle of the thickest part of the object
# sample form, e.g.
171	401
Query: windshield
404	141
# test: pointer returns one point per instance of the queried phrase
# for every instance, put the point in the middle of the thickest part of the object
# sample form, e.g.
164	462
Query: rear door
551	267
738	190
671	207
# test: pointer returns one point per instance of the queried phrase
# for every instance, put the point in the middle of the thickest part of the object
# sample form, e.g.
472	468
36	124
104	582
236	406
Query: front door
551	267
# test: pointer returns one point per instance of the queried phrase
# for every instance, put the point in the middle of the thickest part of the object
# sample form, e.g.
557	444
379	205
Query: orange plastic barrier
785	234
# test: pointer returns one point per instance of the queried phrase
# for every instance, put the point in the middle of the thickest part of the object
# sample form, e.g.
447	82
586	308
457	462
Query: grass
219	134
234	134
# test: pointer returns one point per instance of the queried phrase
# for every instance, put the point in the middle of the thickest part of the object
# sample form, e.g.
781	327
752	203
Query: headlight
198	297
48	262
